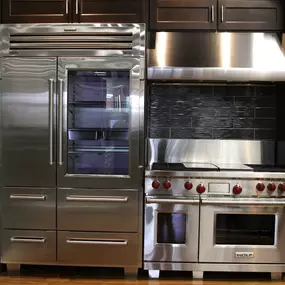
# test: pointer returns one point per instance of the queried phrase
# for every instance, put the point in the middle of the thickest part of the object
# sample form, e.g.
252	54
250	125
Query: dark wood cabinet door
255	15
110	11
35	11
183	14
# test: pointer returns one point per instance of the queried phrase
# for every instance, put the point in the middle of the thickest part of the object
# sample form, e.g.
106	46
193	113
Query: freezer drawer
100	249
29	208
28	246
98	210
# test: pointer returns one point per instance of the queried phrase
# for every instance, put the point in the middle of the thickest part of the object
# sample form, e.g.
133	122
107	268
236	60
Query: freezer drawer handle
51	115
213	13
60	119
78	198
28	197
171	201
222	14
28	239
244	203
97	242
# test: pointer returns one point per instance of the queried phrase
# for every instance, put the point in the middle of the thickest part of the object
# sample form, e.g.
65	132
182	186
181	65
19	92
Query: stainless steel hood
180	56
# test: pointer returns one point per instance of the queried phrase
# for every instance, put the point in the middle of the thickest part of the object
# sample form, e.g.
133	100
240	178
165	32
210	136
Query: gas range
215	179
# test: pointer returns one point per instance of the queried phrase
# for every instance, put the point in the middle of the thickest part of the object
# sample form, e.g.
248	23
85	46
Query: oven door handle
150	200
256	202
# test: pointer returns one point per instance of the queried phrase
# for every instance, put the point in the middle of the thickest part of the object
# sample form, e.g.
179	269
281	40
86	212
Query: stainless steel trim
171	201
76	7
246	202
213	13
60	121
51	115
97	242
28	239
27	197
66	7
78	198
222	13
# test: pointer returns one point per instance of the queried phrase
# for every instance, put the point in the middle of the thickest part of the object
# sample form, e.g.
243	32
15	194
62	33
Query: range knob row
271	187
187	185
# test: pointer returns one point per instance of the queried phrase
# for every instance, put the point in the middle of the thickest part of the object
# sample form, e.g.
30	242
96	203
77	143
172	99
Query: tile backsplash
212	112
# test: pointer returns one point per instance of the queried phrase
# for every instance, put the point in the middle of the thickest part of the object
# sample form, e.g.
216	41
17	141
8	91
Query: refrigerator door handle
60	121
51	115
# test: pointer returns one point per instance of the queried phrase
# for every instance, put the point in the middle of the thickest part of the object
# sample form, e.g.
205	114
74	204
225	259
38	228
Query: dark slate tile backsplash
213	112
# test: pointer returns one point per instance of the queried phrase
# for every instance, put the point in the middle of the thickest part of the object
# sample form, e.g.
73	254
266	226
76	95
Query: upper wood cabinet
183	14
35	11
251	15
230	15
64	11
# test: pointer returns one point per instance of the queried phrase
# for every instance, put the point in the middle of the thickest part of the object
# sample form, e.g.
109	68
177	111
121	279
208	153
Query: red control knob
237	190
167	185
271	187
260	186
155	184
201	188
281	187
188	185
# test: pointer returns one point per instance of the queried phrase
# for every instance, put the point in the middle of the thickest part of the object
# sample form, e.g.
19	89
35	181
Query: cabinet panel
185	14
251	15
111	11
35	11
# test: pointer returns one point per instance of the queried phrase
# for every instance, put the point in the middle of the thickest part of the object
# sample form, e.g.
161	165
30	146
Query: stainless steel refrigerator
73	141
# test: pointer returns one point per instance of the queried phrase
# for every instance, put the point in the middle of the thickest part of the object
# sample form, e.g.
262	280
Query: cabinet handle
97	242
27	197
78	198
60	119
76	7
213	13
51	115
222	13
66	7
28	239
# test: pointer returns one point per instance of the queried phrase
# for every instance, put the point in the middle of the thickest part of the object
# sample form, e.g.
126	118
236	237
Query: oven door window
98	122
241	229
171	228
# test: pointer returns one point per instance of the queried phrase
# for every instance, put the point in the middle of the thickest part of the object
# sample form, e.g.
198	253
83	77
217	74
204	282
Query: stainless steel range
213	216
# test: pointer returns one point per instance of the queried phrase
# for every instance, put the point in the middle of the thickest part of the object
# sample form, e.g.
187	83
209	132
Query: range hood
238	57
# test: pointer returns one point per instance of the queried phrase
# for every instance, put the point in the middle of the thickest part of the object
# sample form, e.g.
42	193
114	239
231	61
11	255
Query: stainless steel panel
223	188
217	151
98	210
163	252
216	57
68	39
26	112
211	252
29	208
98	249
133	180
19	246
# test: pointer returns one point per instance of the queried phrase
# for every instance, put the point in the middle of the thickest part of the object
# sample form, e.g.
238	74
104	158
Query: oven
243	230
171	229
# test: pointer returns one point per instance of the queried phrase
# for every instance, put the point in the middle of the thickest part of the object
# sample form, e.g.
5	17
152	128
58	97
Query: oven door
171	229
242	230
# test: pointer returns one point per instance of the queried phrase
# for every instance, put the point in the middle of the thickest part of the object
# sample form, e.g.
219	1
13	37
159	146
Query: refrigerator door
29	114
99	115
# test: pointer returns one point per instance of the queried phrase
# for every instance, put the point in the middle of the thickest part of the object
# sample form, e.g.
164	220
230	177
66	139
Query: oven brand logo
244	254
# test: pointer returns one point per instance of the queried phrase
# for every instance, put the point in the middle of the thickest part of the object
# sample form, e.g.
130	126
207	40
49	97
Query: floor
37	275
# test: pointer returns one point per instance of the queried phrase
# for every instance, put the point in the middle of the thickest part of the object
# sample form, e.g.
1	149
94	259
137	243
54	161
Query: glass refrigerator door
101	127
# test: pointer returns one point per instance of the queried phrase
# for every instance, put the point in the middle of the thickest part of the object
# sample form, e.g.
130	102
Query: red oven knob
188	185
167	185
155	184
271	187
201	188
237	190
281	187
260	186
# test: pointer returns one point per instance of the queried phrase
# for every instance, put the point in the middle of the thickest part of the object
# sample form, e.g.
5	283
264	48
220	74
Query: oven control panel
226	187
